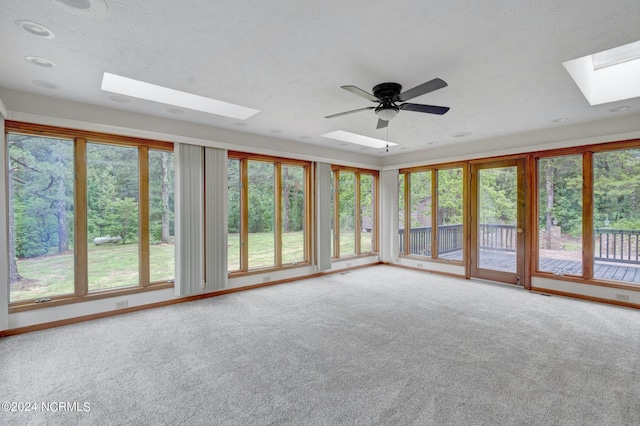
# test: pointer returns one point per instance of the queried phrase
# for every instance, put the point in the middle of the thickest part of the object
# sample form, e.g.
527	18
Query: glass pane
161	219
420	199
367	219
233	212
401	180
40	186
347	214
262	206
112	216
449	214
293	214
560	215
616	215
497	200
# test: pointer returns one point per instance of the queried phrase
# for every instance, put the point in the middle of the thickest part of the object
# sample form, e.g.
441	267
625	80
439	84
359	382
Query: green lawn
114	266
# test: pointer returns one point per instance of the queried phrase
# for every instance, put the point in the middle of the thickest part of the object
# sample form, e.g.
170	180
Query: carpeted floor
375	346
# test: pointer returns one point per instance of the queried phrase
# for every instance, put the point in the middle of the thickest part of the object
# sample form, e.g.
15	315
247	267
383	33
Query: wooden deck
505	261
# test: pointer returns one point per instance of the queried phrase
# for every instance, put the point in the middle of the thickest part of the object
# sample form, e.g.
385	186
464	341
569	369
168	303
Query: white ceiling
501	59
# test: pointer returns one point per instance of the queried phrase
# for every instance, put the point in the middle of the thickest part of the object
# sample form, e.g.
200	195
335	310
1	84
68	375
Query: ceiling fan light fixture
387	113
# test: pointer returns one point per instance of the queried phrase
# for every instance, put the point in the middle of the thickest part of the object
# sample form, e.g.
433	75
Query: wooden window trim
80	140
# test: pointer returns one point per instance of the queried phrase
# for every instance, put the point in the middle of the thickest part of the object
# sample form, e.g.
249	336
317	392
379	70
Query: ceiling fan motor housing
387	92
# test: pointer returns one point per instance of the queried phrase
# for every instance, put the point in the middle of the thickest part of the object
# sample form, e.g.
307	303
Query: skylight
341	135
608	76
151	92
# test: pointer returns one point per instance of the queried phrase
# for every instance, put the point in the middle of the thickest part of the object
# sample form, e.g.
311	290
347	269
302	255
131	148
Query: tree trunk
164	167
550	181
63	230
285	199
14	276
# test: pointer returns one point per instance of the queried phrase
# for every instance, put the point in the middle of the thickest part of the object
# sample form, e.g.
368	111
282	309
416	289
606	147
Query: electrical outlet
266	279
122	304
420	265
620	296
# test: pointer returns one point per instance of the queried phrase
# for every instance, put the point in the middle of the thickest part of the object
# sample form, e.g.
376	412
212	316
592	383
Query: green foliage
450	196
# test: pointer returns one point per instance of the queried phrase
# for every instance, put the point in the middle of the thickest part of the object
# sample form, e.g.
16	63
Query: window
87	217
161	217
560	215
616	215
419	194
354	218
41	217
268	209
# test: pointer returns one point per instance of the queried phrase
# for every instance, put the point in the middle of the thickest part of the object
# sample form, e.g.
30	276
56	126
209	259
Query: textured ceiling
501	59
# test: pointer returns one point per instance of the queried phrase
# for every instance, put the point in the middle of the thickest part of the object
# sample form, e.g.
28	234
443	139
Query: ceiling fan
387	95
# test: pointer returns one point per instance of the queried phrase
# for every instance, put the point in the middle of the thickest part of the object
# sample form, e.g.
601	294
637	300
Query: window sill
28	305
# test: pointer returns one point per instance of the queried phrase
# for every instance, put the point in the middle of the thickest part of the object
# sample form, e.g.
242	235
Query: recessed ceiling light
176	111
608	76
119	99
620	108
461	135
559	120
152	92
35	29
341	135
41	62
45	84
84	7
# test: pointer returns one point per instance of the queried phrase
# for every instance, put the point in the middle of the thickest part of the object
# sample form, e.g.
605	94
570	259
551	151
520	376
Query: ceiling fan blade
430	109
348	112
427	87
382	124
357	91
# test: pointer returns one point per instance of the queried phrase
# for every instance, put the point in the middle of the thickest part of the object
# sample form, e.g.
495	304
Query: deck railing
617	245
491	237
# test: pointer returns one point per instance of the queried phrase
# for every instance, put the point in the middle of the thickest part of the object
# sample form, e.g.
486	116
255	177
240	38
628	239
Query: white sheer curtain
323	215
389	240
215	172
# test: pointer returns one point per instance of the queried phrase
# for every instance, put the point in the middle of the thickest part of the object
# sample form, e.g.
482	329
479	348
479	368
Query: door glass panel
497	233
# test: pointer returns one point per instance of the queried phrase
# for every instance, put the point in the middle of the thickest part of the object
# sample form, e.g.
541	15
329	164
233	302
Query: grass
115	266
110	266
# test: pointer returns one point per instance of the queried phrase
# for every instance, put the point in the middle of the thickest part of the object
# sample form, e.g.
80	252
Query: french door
498	221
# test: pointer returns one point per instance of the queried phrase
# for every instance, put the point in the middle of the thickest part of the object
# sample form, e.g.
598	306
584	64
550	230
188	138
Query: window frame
80	140
244	159
357	172
406	172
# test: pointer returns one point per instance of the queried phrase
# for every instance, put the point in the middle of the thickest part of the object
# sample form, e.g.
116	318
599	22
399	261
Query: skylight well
608	76
341	135
151	92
